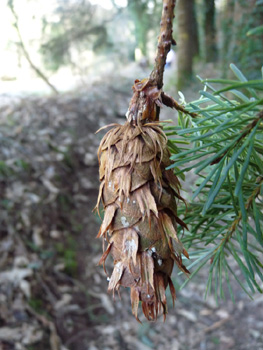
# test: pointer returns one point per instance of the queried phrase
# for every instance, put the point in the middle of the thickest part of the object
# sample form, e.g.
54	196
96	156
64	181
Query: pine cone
139	198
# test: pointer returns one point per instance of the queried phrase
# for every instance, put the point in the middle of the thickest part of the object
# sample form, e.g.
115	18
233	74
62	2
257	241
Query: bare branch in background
25	52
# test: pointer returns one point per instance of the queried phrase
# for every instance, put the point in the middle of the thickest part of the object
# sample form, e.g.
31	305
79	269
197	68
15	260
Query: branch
170	102
26	54
148	96
165	40
244	132
236	222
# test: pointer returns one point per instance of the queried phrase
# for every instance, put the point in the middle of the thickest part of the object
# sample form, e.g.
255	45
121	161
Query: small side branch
170	102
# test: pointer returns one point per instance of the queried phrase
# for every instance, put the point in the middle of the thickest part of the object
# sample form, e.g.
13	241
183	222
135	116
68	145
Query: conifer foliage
224	149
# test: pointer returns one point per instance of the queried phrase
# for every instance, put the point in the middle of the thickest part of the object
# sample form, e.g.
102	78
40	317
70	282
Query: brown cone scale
140	197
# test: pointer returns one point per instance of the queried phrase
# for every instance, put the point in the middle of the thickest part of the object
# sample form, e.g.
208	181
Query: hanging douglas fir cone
140	195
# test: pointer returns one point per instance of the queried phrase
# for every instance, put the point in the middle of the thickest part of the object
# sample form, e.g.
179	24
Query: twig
244	132
165	41
26	54
54	338
248	204
148	96
170	102
216	325
209	329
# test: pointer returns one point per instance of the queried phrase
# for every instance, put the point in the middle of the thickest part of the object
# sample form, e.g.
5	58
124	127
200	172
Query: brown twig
216	325
244	132
165	41
148	96
170	102
236	222
54	338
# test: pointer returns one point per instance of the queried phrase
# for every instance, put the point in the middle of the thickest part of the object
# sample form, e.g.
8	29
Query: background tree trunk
227	34
210	31
195	32
138	9
186	41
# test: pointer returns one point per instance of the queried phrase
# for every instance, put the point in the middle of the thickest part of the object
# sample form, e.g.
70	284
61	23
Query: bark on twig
170	102
165	41
148	96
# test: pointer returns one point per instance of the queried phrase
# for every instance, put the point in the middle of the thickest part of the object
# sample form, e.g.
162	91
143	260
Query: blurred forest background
67	67
73	42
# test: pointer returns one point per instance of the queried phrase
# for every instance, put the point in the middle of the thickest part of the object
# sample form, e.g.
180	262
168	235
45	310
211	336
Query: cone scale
139	196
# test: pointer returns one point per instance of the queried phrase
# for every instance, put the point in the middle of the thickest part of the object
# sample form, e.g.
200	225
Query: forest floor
53	296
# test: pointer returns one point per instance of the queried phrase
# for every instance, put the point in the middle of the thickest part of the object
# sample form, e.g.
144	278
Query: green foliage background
239	19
